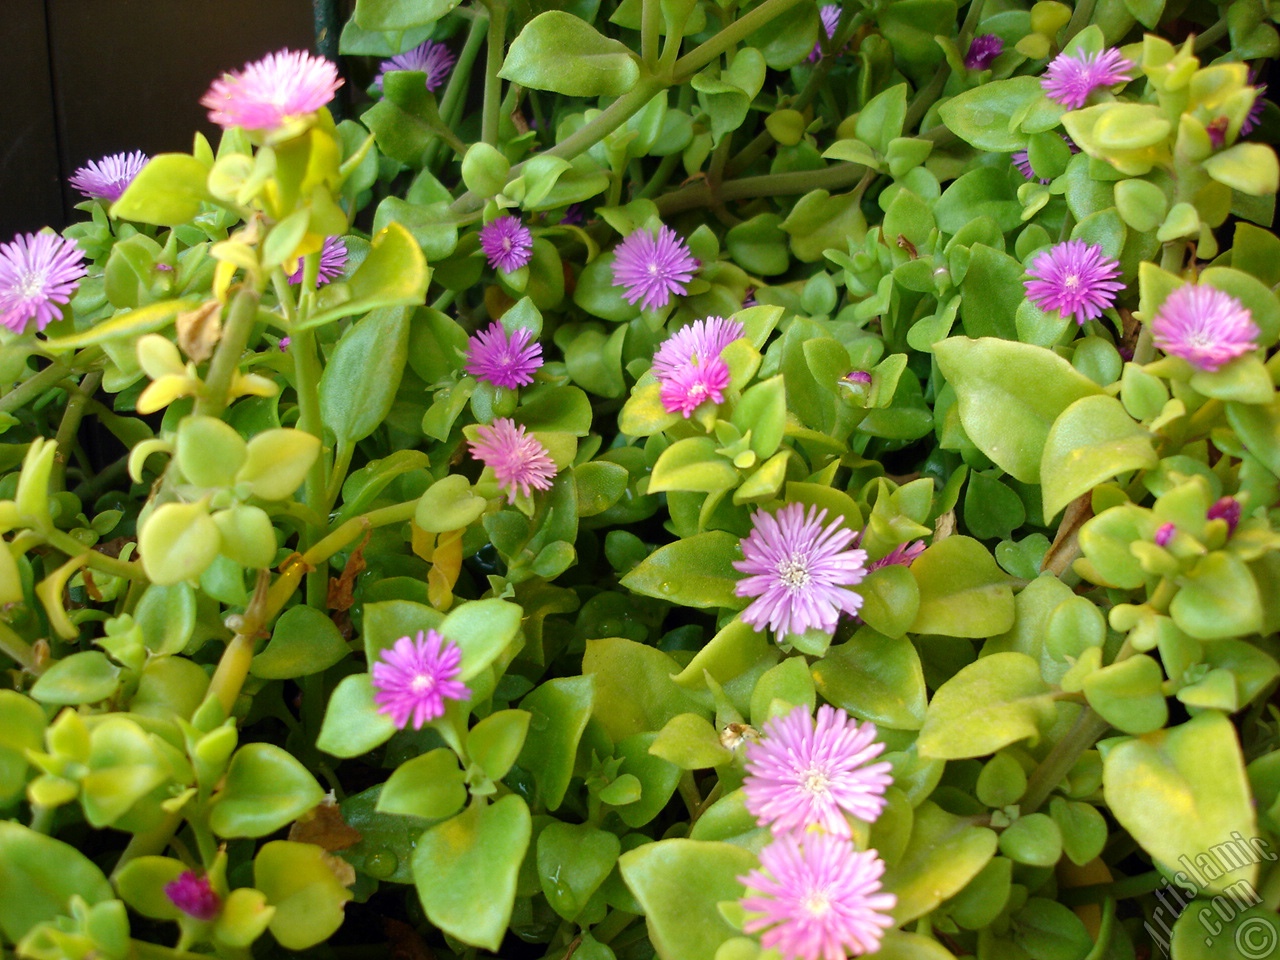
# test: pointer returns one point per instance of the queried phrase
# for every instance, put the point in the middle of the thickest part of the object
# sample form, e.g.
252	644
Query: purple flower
573	215
982	51
1164	534
1022	160
284	343
830	16
1075	278
433	59
333	258
1255	111
652	266
106	179
1071	77
507	243
271	92
194	896
37	272
1204	326
798	571
803	772
817	898
904	554
415	677
519	461
501	359
1228	509
858	376
689	365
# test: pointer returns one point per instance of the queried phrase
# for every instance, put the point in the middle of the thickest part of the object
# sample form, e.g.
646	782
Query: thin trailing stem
729	37
493	63
650	21
226	358
1089	726
77	406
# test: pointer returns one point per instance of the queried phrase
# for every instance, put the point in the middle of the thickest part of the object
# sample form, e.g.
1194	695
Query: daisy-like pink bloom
519	461
817	898
507	243
1075	278
1204	326
650	267
1164	534
194	896
106	179
804	773
38	271
1255	112
1071	77
505	360
270	92
830	16
1228	509
689	365
415	677
333	257
433	59
798	571
982	51
904	554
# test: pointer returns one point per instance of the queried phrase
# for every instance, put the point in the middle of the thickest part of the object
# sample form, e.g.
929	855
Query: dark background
82	79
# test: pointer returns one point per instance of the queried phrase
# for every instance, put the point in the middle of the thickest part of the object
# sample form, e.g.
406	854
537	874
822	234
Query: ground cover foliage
430	531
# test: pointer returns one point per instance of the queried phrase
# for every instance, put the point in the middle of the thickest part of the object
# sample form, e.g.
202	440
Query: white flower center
422	683
1071	281
816	903
815	780
506	244
653	269
794	572
31	284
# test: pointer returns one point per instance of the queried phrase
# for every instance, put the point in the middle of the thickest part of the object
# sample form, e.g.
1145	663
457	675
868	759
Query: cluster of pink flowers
816	897
689	365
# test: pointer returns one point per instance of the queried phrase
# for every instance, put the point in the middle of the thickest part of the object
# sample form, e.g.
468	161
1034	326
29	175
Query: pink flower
1255	111
505	360
507	243
194	896
415	677
804	773
1075	278
519	461
433	59
904	554
1227	509
271	92
650	267
1071	77
982	51
689	364
830	17
1022	160
1164	534
38	271
1204	326
107	179
333	257
817	898
798	571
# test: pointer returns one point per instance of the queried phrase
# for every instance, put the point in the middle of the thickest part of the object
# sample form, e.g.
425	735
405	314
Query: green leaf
132	324
635	692
392	16
573	860
168	191
559	710
301	886
85	677
993	702
1250	168
943	854
981	116
432	786
496	741
1182	793
560	52
483	629
265	789
963	591
692	464
394	274
693	572
1219	599
1009	396
679	883
41	875
465	870
363	374
304	642
1093	440
876	678
22	727
1128	694
691	743
352	724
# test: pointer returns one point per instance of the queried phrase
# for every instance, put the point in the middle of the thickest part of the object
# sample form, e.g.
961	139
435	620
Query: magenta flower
1075	278
284	343
653	266
1255	111
803	772
1204	326
433	59
37	272
573	215
1071	77
861	377
106	179
415	677
194	896
505	360
271	92
1228	509
507	243
982	51
1022	160
689	365
904	554
519	461
830	16
817	898
1164	534
798	571
333	258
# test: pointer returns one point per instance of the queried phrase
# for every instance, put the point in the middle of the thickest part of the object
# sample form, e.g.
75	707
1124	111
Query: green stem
341	463
1082	735
612	925
97	560
1212	35
493	63
25	392
77	405
15	648
226	359
149	843
356	526
701	194
729	37
650	21
653	186
689	793
459	83
1080	18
